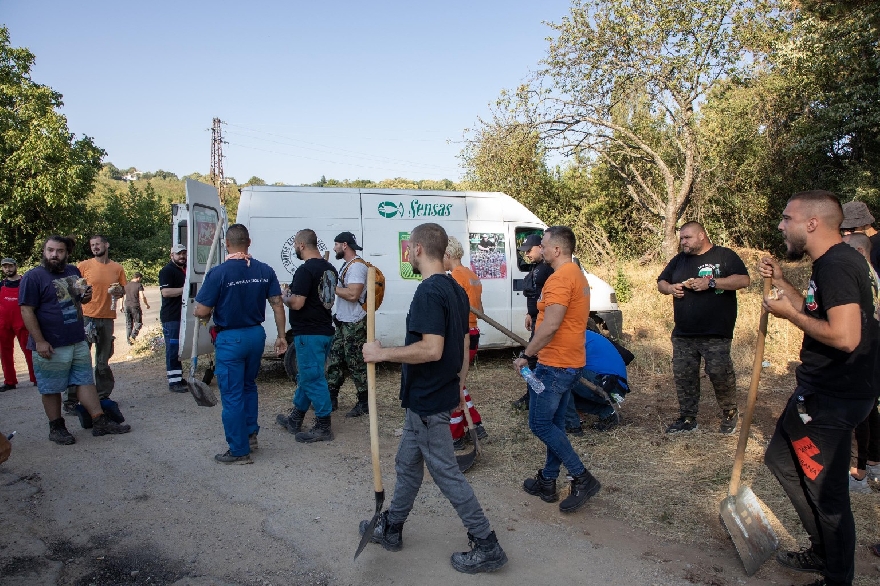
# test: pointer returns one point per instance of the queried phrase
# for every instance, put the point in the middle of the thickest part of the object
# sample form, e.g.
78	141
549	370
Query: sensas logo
389	209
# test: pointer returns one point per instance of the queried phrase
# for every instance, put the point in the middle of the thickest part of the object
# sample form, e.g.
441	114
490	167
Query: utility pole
217	177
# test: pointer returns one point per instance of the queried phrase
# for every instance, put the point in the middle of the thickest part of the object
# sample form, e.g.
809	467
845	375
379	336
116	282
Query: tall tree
45	172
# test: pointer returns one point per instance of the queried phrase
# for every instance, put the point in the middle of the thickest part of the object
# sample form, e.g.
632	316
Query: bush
622	286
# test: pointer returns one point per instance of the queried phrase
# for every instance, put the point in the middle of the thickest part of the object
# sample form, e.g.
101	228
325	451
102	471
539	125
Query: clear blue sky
347	90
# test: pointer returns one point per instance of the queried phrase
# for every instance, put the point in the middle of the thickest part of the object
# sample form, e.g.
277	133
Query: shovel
200	391
374	417
466	461
741	511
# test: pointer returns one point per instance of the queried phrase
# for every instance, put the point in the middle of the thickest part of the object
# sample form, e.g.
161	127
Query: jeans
585	400
173	367
547	419
311	387
238	354
811	462
426	441
133	321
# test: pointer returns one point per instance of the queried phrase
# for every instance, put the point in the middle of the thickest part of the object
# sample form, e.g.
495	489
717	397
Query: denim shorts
69	365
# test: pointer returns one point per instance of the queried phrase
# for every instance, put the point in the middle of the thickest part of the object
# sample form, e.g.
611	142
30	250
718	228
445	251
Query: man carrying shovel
435	365
810	450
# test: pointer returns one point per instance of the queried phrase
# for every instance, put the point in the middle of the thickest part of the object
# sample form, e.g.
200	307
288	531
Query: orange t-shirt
471	284
569	287
100	276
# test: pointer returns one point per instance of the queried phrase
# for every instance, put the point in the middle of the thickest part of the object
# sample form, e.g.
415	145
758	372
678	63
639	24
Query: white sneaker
873	473
856	485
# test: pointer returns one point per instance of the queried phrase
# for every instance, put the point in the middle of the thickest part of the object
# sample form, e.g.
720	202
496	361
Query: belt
219	329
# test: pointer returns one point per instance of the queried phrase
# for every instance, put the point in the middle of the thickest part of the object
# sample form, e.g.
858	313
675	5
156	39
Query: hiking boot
252	441
6	387
293	421
358	410
228	458
459	444
542	487
320	432
582	488
485	555
482	434
576	431
58	433
728	421
179	387
860	486
103	425
682	424
805	560
521	404
608	423
385	534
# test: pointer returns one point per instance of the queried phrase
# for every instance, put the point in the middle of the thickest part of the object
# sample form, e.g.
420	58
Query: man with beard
435	364
107	279
172	279
51	298
310	298
703	279
351	325
809	452
12	326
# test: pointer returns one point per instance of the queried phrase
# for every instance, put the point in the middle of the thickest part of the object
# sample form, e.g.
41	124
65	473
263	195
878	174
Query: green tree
46	173
255	181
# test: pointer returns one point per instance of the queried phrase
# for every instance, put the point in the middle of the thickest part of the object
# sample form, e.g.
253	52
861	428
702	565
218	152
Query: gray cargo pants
428	442
686	354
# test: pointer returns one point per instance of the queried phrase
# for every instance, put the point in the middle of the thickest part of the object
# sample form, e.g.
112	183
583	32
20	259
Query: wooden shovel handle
752	399
371	380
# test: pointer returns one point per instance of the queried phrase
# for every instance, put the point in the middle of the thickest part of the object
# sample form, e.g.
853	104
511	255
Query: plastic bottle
533	382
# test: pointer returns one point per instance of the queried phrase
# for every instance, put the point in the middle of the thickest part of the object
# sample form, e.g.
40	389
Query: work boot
575	431
293	421
728	421
485	555
320	432
542	487
521	404
805	560
6	387
389	536
103	425
334	399
228	458
607	423
358	410
482	434
58	433
582	488
459	444
682	424
252	441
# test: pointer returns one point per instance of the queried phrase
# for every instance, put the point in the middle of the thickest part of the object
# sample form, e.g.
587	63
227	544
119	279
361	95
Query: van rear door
204	213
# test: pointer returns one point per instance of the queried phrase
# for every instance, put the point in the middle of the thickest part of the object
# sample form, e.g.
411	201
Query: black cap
348	238
528	243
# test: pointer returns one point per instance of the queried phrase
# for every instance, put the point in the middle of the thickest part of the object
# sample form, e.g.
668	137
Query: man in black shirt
172	279
836	387
435	364
703	279
532	285
857	218
310	298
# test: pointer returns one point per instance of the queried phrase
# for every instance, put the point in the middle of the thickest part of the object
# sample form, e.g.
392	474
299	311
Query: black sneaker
728	421
482	434
58	433
805	560
682	424
320	432
521	404
542	487
608	423
459	444
292	422
180	387
576	431
252	440
103	425
358	410
228	458
582	488
385	534
6	387
485	555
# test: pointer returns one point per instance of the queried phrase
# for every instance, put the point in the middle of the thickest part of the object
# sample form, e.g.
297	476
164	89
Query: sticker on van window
206	224
406	269
488	256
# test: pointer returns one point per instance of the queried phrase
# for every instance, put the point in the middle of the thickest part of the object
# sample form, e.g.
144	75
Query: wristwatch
711	282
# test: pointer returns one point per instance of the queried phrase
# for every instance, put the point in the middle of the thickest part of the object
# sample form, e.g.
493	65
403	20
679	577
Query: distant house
133	176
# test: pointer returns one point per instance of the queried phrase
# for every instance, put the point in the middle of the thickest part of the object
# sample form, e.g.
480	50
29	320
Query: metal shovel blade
368	534
749	529
202	393
466	461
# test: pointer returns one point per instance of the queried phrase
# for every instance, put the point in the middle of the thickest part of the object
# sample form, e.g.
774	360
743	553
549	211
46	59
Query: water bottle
533	382
618	399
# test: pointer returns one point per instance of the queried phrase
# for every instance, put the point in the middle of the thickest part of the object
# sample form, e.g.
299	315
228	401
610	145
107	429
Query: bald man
809	452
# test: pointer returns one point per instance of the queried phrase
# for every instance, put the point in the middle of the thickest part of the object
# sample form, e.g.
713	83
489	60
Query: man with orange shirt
101	273
556	353
471	284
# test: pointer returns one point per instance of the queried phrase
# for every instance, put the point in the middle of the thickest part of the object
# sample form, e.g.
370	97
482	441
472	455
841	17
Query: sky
344	90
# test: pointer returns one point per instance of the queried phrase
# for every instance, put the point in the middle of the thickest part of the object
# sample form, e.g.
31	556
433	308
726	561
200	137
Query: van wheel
290	362
598	326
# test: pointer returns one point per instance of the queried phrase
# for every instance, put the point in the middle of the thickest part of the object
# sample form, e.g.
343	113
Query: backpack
380	281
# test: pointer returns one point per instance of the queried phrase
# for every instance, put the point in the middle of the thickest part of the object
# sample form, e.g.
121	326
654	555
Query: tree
255	181
46	173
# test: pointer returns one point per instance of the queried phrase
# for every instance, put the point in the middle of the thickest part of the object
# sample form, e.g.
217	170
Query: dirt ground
152	507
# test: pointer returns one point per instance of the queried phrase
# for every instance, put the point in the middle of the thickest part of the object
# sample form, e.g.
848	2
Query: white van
490	226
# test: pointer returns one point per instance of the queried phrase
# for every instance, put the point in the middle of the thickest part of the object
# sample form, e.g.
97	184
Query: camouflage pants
686	354
346	354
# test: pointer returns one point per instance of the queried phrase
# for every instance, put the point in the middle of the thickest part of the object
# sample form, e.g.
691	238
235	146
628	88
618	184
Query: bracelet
526	356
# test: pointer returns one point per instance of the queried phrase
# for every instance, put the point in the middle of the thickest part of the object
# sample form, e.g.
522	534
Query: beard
54	266
340	255
796	245
298	254
181	262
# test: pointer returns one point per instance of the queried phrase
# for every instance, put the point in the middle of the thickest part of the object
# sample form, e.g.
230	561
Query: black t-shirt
312	282
709	313
440	307
173	277
534	282
840	277
875	251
